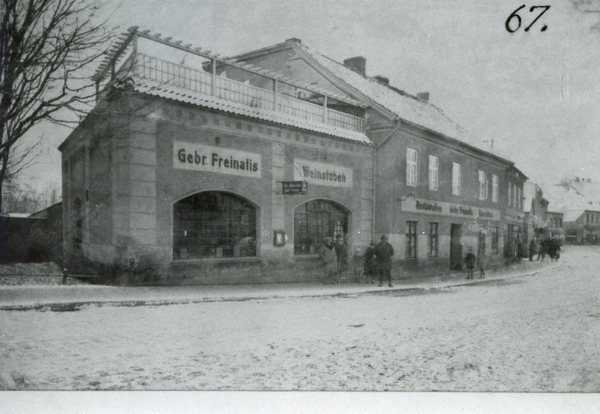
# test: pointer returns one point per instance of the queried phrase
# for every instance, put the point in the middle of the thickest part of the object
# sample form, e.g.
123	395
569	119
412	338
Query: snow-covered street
536	333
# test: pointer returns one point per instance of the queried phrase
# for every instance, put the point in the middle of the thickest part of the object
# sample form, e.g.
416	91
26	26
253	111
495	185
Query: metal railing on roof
172	74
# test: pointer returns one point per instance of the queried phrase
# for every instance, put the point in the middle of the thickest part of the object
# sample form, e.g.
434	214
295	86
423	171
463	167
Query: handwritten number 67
514	15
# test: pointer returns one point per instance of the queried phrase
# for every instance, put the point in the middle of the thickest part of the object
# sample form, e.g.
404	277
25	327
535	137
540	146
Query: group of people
334	257
471	260
377	260
549	246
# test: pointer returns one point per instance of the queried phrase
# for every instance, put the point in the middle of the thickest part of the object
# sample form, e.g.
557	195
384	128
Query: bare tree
45	47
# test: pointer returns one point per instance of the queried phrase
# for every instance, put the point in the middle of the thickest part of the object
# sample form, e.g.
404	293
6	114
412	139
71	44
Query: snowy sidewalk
64	298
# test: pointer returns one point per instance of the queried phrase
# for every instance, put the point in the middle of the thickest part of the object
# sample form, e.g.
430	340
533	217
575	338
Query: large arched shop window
213	224
315	220
77	222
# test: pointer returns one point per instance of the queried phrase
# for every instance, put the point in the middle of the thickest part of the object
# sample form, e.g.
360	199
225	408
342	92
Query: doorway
455	247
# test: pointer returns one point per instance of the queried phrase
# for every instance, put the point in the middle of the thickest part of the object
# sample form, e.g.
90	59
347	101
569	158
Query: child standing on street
470	262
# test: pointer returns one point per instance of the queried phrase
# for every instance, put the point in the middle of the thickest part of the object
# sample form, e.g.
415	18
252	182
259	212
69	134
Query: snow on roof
18	215
154	88
568	201
402	104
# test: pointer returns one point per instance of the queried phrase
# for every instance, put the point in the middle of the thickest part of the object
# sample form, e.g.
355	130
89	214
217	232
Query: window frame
494	188
456	178
412	167
433	245
214	224
411	235
483	185
434	172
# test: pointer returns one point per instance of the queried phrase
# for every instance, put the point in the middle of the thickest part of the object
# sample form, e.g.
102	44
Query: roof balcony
265	93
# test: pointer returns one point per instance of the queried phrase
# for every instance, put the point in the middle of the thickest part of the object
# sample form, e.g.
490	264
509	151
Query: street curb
76	306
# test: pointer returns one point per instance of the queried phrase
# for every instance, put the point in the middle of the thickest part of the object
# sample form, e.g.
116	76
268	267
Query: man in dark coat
383	259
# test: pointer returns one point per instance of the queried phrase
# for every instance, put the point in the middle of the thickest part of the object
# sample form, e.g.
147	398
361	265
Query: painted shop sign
448	209
322	174
294	187
197	157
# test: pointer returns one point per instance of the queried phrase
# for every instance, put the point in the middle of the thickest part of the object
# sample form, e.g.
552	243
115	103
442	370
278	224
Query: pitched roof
567	200
400	103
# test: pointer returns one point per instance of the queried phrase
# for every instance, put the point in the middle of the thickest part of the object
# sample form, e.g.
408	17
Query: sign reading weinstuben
197	157
322	174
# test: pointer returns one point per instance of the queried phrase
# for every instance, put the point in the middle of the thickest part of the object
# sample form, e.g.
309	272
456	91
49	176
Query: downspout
398	125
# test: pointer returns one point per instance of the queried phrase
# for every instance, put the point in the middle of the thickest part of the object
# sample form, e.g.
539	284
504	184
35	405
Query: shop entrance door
455	247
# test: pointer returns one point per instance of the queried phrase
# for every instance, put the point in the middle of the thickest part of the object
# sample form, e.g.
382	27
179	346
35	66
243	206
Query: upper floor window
455	178
509	194
519	200
483	185
411	167
434	165
494	188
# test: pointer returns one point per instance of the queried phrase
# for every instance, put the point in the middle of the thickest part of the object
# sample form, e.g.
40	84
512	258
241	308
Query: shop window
434	166
456	178
411	167
483	186
494	240
316	220
213	224
433	239
494	188
411	239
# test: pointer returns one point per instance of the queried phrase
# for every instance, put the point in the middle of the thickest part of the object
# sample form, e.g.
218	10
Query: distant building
233	170
579	202
33	237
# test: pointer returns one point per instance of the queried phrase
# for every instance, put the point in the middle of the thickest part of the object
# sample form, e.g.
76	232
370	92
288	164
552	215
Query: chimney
294	40
424	96
358	64
382	80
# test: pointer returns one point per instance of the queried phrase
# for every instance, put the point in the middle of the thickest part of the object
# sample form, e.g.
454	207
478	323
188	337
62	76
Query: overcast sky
536	94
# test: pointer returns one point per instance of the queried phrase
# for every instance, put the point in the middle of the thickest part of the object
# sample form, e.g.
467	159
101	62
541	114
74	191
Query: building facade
233	170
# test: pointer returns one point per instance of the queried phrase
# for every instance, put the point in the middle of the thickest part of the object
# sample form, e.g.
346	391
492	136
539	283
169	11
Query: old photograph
327	196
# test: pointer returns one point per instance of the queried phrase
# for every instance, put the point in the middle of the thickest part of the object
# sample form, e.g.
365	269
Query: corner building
232	170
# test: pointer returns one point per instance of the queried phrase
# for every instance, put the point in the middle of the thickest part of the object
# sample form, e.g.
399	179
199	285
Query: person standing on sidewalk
370	266
328	260
542	250
470	262
342	255
531	249
481	265
383	258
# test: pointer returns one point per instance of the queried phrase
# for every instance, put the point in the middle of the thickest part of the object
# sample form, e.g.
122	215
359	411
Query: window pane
456	178
434	163
411	167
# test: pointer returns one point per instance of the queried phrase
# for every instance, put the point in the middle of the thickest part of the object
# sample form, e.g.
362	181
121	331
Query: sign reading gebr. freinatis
322	174
197	157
